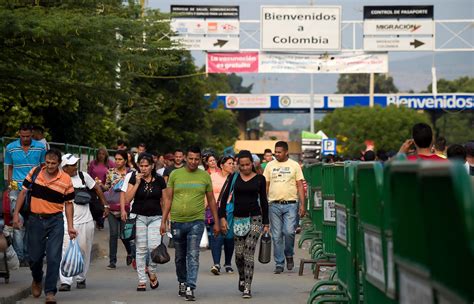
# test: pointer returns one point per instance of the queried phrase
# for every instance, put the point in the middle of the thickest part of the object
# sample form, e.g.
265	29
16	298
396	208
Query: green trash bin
410	244
448	201
369	186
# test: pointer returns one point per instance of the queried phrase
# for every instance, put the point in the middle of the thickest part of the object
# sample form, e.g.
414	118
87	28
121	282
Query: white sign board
206	43
300	101
205	27
300	28
329	210
247	101
318	199
399	27
378	43
329	146
414	289
341	224
374	256
390	267
341	63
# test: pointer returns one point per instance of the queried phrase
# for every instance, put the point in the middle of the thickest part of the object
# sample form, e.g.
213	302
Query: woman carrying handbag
250	214
147	190
114	180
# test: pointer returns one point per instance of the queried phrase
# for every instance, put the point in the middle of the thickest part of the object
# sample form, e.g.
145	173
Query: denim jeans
45	236
216	244
114	229
147	238
282	226
186	238
19	237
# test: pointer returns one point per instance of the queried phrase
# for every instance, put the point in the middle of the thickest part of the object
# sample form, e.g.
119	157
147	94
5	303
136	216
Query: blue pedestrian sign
329	146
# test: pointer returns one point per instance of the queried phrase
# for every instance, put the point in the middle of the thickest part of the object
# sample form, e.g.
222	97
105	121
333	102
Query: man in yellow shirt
285	192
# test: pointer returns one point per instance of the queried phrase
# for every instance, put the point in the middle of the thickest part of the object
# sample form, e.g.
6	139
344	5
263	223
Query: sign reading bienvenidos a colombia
300	28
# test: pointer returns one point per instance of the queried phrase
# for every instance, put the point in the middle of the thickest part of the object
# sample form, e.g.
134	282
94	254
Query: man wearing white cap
83	222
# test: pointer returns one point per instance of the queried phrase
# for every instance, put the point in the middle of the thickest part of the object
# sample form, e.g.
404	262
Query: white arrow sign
206	43
398	43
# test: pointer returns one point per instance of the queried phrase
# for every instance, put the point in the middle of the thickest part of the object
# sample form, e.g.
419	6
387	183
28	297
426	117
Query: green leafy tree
455	126
387	127
359	84
58	65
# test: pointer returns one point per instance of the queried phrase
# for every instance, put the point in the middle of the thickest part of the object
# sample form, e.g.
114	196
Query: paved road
119	286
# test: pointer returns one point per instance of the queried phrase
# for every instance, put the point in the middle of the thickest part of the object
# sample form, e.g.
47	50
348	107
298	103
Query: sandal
141	287
153	282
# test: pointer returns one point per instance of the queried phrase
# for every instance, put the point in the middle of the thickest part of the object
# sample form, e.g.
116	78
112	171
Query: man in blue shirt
20	157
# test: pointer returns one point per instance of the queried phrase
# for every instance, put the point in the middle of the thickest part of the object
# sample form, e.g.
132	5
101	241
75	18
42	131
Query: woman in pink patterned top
219	178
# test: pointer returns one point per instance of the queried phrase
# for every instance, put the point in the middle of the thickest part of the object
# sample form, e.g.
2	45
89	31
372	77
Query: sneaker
241	285
182	290
190	294
36	288
278	270
247	294
216	269
81	285
111	266
50	298
129	259
229	269
65	287
290	264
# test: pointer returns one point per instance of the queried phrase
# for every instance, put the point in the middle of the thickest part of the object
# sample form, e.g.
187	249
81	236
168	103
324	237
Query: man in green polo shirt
186	189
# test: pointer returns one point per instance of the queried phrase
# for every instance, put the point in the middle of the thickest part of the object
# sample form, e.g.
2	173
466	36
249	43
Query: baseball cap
68	159
169	156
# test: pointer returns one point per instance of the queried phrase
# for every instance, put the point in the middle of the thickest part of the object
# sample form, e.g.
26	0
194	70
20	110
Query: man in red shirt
422	139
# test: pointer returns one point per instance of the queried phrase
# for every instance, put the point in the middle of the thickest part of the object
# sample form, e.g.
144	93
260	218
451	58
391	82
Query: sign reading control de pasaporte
300	28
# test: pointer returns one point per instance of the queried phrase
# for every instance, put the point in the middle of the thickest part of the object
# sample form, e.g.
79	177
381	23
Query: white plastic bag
73	262
12	259
204	239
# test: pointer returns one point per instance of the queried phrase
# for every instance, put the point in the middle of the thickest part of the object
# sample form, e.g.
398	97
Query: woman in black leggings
250	213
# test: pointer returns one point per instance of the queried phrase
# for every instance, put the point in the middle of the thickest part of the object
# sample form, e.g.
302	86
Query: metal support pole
371	89
311	105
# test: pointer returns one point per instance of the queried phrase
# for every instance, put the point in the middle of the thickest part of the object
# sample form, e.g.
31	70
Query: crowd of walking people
185	193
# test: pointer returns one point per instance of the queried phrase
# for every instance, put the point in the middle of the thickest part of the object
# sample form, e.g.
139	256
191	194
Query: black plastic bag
160	254
265	251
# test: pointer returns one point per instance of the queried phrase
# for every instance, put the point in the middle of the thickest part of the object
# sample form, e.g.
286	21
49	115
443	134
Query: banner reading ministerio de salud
261	62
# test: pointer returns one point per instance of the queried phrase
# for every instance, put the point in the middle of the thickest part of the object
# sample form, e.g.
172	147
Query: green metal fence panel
329	210
348	200
341	225
317	196
410	244
369	202
448	201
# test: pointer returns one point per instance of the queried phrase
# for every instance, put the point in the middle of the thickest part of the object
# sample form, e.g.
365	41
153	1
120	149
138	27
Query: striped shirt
49	195
22	161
